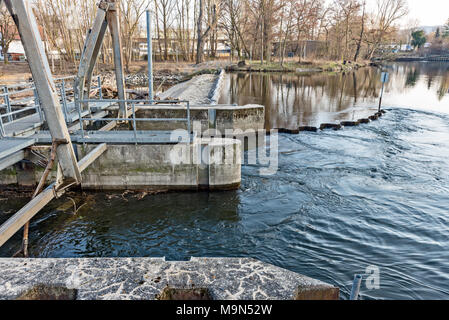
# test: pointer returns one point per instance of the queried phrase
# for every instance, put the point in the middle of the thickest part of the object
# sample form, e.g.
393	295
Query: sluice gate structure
98	144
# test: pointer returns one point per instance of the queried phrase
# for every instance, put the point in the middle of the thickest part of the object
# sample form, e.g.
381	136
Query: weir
137	155
145	157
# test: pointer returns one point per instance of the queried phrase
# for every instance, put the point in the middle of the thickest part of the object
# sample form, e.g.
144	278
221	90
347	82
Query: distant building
406	48
16	51
175	46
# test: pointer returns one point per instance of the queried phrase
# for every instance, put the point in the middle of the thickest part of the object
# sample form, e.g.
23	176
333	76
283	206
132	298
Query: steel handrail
133	103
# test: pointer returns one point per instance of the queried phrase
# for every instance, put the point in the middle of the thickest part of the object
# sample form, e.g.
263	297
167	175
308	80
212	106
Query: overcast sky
428	12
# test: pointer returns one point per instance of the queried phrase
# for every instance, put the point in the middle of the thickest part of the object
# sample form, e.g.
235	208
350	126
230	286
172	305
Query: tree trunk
359	43
200	41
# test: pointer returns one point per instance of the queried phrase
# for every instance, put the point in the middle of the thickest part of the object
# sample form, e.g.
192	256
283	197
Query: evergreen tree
437	33
446	29
418	39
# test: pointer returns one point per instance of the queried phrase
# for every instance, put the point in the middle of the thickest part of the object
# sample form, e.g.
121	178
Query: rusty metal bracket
107	5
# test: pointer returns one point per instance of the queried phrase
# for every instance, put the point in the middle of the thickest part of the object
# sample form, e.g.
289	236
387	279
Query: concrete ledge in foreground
146	278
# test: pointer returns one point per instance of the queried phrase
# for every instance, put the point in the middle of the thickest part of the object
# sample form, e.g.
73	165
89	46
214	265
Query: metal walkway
117	137
21	133
27	118
12	150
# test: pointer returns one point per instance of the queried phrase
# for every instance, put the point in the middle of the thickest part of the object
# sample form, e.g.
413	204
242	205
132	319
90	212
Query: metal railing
26	94
142	105
12	116
64	91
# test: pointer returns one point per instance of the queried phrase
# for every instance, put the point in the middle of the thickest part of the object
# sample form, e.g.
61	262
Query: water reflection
292	99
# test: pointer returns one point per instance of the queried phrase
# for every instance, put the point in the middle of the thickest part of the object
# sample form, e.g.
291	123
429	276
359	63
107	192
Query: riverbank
298	67
167	74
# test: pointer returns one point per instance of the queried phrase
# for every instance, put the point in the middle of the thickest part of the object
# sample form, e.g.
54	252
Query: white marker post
384	78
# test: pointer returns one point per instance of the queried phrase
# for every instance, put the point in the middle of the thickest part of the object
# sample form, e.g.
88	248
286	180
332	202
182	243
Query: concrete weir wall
213	165
211	117
209	164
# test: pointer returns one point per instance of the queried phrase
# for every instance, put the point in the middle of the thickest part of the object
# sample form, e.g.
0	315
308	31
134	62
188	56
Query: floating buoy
383	111
288	131
308	128
364	121
374	117
330	126
349	123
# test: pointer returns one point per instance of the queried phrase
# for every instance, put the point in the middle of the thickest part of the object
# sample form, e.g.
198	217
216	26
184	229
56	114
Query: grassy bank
301	67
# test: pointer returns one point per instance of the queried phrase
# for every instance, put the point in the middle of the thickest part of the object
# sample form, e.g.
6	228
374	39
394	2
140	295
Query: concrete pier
210	164
146	278
214	165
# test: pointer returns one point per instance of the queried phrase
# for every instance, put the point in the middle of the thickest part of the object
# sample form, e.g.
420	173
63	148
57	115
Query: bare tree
131	13
201	36
362	33
8	30
383	23
164	9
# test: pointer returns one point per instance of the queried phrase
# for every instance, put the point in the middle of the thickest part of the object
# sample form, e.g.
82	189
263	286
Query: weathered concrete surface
224	165
198	90
214	164
220	117
145	278
216	91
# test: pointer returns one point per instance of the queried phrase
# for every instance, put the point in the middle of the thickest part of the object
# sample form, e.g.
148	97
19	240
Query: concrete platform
145	278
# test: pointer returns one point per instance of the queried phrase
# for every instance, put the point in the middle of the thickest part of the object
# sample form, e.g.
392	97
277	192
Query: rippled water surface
376	194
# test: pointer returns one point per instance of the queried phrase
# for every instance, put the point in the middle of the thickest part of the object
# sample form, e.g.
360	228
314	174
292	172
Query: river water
374	196
292	100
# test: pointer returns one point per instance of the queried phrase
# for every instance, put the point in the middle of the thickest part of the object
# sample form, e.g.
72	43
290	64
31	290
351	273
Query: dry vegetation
259	29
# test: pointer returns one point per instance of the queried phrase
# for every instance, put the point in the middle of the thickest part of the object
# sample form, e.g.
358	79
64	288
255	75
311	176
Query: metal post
134	122
78	107
113	20
2	130
356	287
149	57
64	100
89	57
8	103
384	78
188	121
381	95
100	93
37	104
22	13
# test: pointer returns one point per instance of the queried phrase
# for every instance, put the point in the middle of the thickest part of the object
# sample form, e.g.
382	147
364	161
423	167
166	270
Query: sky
428	12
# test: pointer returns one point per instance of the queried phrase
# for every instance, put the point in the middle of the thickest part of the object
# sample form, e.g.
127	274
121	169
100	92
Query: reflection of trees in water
292	99
412	77
436	75
443	90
